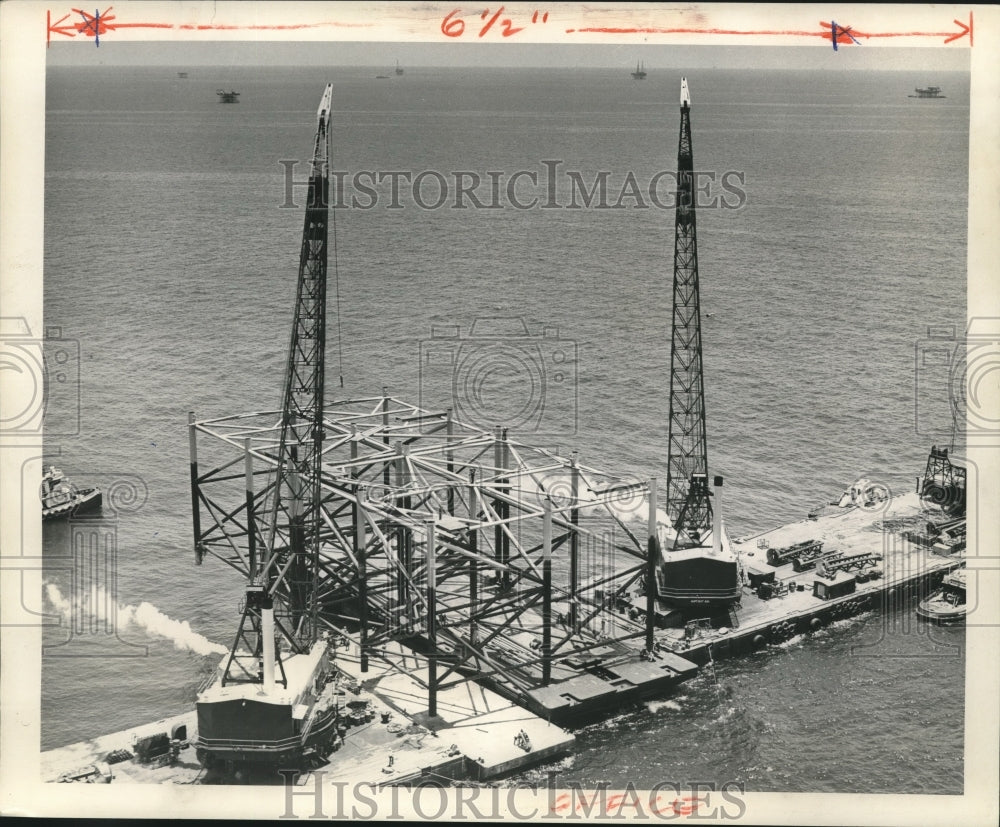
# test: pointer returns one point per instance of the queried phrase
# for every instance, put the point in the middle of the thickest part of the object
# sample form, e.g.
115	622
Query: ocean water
170	258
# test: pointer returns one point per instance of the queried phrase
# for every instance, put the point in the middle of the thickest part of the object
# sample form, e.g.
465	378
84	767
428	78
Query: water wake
98	607
656	706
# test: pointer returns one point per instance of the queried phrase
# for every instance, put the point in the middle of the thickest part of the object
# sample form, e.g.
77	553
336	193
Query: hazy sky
414	55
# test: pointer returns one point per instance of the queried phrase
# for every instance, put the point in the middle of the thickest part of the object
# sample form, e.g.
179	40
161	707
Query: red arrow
842	35
949	36
69	31
966	30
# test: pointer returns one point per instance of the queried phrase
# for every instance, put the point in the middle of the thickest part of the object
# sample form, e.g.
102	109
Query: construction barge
425	597
384	735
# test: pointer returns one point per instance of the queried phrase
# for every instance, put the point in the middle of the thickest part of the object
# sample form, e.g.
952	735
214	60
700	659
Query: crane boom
694	575
688	502
294	557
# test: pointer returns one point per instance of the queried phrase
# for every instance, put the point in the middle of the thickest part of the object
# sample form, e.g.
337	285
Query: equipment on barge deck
699	570
943	483
780	556
829	566
270	702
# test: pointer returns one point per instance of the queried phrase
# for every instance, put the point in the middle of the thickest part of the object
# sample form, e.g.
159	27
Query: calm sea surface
170	258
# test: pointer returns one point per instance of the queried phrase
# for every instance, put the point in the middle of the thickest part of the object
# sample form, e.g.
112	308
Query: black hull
292	752
87	501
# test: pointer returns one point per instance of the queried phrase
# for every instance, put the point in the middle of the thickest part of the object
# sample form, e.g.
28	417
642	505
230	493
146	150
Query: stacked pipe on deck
829	565
804	551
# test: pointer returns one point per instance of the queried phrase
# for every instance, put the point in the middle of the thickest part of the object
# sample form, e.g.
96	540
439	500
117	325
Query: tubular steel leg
431	622
359	553
251	523
547	594
651	555
474	562
195	510
574	544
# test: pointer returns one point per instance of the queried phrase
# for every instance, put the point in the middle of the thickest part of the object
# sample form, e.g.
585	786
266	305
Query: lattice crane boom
688	502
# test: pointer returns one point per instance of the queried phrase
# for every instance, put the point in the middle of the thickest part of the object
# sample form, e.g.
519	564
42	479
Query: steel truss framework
530	554
688	503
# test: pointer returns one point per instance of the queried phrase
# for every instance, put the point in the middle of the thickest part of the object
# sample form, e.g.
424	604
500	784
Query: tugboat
947	604
929	92
60	498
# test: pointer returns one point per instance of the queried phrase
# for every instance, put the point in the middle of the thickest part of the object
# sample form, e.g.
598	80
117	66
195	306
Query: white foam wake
146	616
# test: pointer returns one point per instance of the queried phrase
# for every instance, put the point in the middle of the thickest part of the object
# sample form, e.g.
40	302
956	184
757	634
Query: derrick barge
482	590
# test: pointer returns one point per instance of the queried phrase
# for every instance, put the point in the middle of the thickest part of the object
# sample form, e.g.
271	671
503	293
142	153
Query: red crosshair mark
92	25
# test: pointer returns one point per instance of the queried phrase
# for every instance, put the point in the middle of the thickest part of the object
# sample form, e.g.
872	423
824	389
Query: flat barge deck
804	601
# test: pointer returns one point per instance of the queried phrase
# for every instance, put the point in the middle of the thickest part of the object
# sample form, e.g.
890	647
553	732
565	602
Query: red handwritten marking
94	25
102	23
454	26
69	31
826	35
506	25
684	806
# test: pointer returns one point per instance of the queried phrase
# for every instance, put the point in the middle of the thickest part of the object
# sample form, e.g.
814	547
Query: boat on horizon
61	498
399	69
928	92
640	71
227	97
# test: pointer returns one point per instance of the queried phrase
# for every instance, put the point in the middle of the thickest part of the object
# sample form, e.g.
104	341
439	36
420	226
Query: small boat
640	71
60	498
947	604
227	97
381	77
929	92
182	74
399	69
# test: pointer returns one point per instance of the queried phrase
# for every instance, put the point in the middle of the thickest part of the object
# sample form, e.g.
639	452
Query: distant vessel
182	74
399	69
929	92
227	97
60	498
947	604
381	77
640	71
